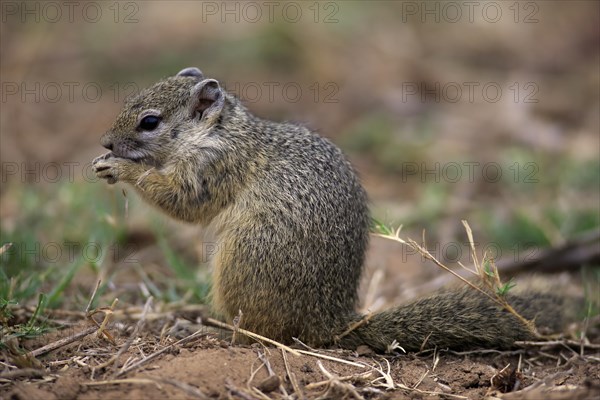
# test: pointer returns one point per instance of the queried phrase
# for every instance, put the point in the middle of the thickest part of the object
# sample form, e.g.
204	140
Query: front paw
109	167
103	157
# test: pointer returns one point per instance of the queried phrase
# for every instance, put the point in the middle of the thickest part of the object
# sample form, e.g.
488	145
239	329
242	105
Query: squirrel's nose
106	142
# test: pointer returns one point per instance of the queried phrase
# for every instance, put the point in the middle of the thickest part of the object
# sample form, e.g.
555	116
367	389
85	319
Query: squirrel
292	223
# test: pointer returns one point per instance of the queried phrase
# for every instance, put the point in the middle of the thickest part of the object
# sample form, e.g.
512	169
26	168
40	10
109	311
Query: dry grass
110	359
486	272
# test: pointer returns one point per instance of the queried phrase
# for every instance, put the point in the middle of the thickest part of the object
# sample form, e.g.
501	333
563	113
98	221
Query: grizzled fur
290	216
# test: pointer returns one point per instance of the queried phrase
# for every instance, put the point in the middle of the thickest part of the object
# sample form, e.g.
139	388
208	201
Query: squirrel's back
297	240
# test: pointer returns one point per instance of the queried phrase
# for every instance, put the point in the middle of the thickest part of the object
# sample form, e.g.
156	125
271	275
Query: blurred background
479	111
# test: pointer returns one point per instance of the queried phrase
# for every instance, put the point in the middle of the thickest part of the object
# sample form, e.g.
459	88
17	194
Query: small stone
270	384
306	368
364	350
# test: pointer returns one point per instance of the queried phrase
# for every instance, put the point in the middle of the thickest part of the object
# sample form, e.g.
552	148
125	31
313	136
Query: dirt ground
190	360
209	367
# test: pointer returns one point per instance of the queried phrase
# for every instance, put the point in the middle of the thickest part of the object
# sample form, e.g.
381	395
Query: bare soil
210	367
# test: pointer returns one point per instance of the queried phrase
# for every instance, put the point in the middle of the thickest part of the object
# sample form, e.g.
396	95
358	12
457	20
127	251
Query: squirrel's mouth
135	154
134	150
139	158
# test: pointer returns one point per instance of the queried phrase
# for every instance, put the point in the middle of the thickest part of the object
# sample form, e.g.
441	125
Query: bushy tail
460	320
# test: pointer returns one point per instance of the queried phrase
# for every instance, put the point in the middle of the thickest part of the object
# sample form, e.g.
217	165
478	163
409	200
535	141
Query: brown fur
291	219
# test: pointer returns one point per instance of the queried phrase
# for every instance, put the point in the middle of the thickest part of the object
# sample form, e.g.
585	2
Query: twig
365	319
256	391
262	357
425	342
314	353
136	331
107	316
492	280
253	373
416	385
130	340
386	376
545	381
219	324
156	354
87	309
301	343
316	385
484	276
119	381
102	326
23	373
485	351
60	343
266	363
574	343
425	253
291	376
436	359
237	321
579	251
330	358
335	381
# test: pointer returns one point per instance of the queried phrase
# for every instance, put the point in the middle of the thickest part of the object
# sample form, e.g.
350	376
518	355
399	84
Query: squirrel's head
151	123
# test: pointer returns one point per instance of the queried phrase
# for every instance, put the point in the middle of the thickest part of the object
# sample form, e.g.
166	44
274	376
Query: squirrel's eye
149	123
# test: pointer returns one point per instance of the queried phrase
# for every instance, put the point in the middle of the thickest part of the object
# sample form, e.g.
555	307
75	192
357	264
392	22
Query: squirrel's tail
459	320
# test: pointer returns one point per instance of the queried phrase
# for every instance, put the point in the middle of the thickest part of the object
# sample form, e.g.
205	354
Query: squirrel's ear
207	100
191	71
